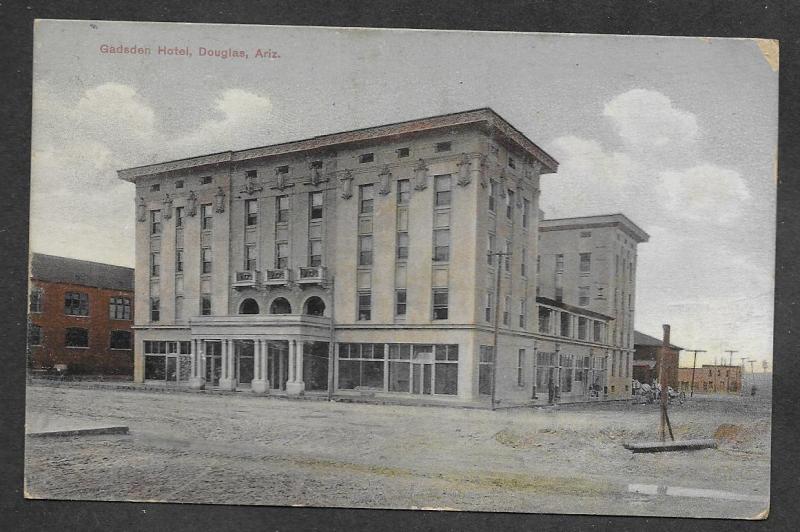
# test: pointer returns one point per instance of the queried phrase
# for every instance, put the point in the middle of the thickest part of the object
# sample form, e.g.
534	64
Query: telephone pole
694	365
741	376
730	365
500	255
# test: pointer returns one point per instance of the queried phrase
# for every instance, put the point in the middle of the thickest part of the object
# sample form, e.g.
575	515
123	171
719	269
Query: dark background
734	18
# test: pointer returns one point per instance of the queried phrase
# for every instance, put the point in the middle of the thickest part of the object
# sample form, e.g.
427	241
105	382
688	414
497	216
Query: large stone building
368	248
80	316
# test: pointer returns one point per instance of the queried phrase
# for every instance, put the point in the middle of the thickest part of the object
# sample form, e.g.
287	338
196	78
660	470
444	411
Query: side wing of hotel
377	251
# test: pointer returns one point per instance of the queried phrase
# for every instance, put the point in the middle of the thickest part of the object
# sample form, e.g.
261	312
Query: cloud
706	192
647	119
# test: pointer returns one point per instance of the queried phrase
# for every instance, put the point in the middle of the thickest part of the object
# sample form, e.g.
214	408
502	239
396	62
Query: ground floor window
76	337
409	368
567	372
167	361
545	370
485	368
34	334
120	340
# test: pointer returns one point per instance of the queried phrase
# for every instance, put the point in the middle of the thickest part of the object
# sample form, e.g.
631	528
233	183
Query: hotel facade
365	262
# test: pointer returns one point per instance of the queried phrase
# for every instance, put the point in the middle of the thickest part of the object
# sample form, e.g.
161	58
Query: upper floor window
559	263
583	296
598	331
523	313
440	302
402	246
251	174
586	234
206	180
582	328
155	222
507	256
155	264
206	217
366	157
509	204
402	152
507	310
155	309
492	195
205	305
488	308
119	308
316	164
76	337
315	253
441	245
250	257
490	249
282	169
566	321
251	212
179	216
281	255
441	185
364	305
365	199
526	212
179	183
35	336
178	260
282	209
523	263
559	294
365	250
315	212
206	260
36	299
155	187
76	304
403	191
585	262
443	146
400	302
511	163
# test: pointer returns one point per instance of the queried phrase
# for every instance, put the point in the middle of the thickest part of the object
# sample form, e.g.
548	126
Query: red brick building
645	358
712	379
80	316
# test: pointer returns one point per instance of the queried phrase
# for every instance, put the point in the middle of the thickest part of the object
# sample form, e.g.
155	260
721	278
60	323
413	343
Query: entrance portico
260	352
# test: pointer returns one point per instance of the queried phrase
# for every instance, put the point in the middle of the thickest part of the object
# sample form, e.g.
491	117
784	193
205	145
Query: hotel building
362	261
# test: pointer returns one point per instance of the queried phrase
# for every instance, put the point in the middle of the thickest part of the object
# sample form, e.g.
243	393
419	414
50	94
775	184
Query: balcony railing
311	274
246	278
277	277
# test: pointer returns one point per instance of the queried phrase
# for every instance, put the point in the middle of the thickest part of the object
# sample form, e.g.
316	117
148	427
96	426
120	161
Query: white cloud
704	193
647	119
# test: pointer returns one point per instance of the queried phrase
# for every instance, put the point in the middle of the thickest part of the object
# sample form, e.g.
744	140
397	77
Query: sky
679	134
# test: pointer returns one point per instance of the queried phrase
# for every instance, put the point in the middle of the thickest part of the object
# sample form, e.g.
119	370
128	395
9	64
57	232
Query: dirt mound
514	440
729	432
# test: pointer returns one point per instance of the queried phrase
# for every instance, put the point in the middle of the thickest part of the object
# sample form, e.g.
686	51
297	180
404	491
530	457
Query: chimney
666	335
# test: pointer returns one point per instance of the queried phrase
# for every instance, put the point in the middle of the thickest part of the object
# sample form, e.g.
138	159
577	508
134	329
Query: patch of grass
514	440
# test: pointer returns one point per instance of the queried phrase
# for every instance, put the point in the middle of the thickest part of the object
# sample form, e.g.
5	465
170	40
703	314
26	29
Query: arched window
280	306
314	306
248	306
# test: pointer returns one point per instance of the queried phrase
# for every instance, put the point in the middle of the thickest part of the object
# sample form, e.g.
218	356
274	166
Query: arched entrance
248	306
314	306
280	306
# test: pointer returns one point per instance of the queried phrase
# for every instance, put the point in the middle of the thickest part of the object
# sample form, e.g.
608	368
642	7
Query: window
487	310
365	195
36	299
440	298
583	296
179	216
441	245
585	262
250	262
34	334
155	264
506	310
251	174
121	340
559	294
155	305
365	250
520	367
361	366
315	253
485	369
403	191
282	209
443	146
76	337
179	183
400	302
366	157
282	255
402	246
441	184
511	163
523	313
598	331
316	164
509	204
492	195
155	222
538	263
526	212
155	188
446	369
544	320
206	260
559	263
251	212
206	180
205	305
523	266
402	152
586	234
178	261
119	308
76	304
364	305
582	328
206	217
315	212
507	257
284	169
565	324
490	249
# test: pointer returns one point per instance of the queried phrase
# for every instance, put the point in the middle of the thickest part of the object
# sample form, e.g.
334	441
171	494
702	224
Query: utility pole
741	376
664	395
499	263
730	366
694	365
331	344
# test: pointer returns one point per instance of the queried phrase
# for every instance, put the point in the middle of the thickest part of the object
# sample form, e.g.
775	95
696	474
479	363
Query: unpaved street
240	449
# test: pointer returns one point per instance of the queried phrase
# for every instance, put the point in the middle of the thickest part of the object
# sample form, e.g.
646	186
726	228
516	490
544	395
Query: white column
227	381
295	386
260	384
197	380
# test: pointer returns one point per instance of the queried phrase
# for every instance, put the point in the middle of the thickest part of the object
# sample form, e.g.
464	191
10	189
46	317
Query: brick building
712	379
80	316
365	259
645	358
